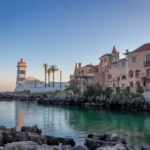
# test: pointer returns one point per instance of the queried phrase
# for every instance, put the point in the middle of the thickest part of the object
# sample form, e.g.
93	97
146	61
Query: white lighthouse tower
21	71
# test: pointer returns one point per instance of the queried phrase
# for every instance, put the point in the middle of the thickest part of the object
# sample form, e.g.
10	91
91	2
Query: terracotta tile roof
90	65
144	47
87	66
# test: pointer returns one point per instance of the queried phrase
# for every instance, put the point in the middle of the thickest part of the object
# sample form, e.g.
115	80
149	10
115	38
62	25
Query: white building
32	84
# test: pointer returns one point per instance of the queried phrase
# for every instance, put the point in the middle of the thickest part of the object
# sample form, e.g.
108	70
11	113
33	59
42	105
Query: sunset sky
63	32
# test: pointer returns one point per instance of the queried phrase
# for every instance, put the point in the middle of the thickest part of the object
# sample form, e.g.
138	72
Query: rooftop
105	55
144	47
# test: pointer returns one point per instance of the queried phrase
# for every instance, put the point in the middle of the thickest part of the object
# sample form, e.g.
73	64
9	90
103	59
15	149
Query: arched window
137	73
82	72
131	73
137	84
114	85
123	77
131	84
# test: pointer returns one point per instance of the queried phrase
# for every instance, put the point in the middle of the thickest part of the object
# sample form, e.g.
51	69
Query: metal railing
146	75
147	63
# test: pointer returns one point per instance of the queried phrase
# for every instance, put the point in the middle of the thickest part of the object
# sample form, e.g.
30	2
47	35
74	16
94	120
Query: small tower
115	53
21	71
75	69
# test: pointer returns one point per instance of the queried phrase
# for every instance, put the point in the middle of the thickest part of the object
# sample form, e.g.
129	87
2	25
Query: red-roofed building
133	70
139	66
84	75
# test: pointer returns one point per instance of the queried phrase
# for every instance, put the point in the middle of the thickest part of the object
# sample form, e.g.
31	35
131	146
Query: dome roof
31	78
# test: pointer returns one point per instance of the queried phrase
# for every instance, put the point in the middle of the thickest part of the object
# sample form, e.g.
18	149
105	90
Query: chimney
127	51
79	65
76	67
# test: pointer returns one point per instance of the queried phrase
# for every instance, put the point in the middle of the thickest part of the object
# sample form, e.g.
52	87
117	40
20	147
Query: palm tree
45	67
53	69
49	71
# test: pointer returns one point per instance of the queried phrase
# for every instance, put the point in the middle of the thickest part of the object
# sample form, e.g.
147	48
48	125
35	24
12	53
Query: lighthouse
21	71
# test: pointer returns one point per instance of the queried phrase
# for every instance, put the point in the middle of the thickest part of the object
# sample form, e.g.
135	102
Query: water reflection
76	122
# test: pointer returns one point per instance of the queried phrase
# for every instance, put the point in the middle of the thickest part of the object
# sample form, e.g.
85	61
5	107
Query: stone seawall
128	104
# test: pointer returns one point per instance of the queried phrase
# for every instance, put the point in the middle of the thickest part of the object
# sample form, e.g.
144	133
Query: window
109	76
79	72
101	60
82	72
148	57
133	59
131	74
22	72
113	85
123	64
21	79
137	73
105	59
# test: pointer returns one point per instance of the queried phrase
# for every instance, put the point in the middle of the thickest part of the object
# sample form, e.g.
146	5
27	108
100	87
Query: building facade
133	70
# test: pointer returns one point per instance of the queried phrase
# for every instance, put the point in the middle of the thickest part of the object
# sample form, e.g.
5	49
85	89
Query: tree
53	69
49	71
45	67
140	90
107	92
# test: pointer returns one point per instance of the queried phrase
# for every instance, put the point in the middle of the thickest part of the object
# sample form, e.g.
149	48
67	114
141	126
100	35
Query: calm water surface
76	122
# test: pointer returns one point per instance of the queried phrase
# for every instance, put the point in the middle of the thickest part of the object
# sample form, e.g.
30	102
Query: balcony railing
145	75
147	63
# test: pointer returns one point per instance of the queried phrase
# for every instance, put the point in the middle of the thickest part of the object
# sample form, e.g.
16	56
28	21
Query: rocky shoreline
128	104
30	138
117	101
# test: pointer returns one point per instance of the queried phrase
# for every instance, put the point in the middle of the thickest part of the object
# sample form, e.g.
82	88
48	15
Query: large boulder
32	129
3	128
94	141
46	147
26	145
116	147
8	137
52	140
145	148
66	147
33	137
80	147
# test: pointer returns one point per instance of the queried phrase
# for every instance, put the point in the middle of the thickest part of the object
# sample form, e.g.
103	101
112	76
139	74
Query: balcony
145	75
147	63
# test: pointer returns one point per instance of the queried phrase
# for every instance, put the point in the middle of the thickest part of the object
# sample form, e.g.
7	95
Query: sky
63	32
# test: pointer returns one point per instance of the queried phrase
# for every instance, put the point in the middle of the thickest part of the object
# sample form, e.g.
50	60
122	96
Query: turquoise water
76	122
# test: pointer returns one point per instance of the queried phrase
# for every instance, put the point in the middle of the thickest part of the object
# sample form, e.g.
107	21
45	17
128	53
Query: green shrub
128	89
107	92
117	89
133	94
140	90
73	88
